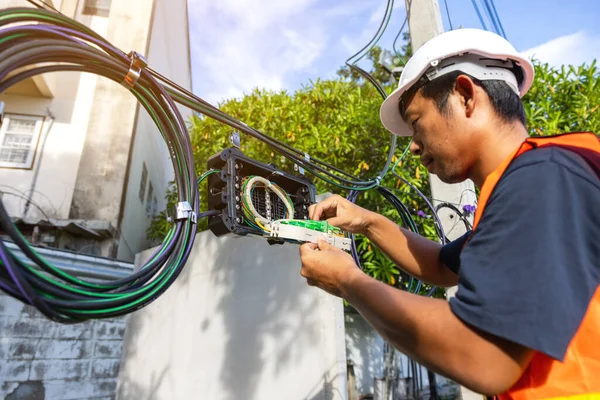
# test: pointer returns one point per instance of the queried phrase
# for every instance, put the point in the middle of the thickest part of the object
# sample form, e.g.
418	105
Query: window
142	193
100	8
149	199
154	207
19	136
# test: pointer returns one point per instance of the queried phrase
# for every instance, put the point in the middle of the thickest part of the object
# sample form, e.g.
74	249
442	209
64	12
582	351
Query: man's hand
342	213
326	266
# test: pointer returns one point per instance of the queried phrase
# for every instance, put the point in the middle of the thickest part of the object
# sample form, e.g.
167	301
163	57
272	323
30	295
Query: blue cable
479	15
498	18
490	14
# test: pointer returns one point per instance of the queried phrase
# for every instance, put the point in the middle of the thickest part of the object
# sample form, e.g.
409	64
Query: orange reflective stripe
585	140
579	375
488	186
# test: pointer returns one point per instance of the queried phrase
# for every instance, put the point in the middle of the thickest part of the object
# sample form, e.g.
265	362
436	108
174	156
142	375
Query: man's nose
415	149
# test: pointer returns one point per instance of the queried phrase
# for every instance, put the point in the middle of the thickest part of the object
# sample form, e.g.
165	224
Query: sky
239	45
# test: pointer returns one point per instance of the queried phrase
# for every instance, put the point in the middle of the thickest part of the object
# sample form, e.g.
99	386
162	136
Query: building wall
67	115
238	323
103	165
168	54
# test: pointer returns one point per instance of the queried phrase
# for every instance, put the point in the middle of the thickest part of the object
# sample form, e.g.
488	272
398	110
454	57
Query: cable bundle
34	42
251	216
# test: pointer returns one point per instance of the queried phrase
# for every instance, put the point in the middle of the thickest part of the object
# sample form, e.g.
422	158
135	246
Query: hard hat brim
389	113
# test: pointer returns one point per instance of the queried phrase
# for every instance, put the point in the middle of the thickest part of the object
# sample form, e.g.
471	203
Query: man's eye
414	124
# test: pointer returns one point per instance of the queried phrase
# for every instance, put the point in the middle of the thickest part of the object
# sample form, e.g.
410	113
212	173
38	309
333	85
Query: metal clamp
307	159
138	63
234	138
183	210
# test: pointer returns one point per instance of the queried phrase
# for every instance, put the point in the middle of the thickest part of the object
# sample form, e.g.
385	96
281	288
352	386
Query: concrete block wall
45	360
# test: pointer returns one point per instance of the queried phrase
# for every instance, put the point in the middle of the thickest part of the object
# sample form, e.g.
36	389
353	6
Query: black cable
448	13
406	19
407	222
460	214
40	209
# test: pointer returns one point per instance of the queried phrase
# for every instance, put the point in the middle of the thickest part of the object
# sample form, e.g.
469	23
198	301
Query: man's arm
423	328
413	253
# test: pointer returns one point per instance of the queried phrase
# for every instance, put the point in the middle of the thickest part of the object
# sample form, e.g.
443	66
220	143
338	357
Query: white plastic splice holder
300	234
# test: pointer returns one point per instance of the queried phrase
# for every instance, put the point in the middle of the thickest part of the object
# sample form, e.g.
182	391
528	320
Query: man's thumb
323	244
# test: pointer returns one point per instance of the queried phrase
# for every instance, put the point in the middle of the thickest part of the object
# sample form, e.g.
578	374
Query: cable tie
183	210
138	63
377	181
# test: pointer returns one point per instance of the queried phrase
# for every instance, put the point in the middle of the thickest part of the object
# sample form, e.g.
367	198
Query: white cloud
238	45
574	49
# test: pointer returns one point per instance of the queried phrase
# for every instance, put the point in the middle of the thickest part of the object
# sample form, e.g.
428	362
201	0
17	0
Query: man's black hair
505	101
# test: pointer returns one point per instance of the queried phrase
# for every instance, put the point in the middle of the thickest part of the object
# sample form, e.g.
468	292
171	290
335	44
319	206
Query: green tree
564	99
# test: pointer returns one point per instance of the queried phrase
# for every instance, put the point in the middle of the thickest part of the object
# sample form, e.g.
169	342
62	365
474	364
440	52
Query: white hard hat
481	54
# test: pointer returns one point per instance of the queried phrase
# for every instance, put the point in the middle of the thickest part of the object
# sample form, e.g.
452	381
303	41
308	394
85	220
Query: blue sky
238	45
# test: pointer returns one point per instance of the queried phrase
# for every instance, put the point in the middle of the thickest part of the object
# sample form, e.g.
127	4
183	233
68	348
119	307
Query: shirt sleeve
529	271
450	253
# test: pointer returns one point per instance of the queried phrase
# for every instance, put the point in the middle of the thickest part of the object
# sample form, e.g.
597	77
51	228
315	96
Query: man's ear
467	92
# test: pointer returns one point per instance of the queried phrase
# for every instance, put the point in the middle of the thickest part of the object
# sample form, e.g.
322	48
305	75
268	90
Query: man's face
441	140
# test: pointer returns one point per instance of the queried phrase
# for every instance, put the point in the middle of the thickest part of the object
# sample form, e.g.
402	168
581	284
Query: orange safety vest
578	377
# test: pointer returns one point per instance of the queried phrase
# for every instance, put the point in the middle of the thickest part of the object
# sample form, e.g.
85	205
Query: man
525	322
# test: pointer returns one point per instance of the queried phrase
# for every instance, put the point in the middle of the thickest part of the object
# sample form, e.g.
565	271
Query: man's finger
311	211
335	221
323	244
308	247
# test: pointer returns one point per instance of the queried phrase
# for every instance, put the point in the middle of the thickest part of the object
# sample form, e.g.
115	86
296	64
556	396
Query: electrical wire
407	222
22	197
491	15
493	12
448	13
406	19
483	24
461	215
352	61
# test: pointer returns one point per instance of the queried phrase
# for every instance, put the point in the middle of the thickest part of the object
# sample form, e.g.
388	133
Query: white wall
70	106
238	323
168	54
62	140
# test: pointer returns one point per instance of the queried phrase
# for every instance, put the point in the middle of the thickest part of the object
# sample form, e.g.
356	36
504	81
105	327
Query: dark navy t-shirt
531	267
